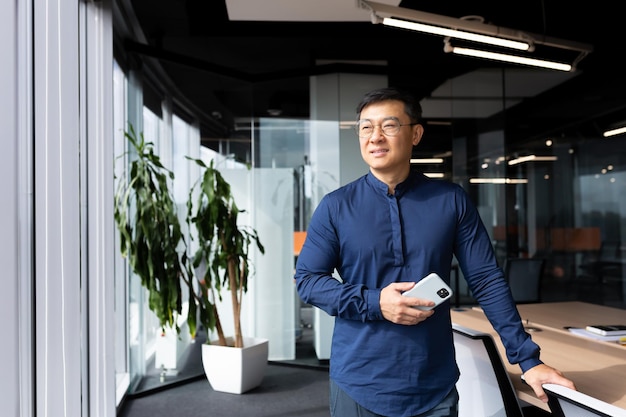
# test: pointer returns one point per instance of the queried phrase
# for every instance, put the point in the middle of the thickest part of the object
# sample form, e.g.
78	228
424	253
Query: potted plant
223	256
157	251
150	232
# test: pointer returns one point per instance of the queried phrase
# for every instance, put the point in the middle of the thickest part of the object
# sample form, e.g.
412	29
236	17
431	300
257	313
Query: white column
16	212
98	229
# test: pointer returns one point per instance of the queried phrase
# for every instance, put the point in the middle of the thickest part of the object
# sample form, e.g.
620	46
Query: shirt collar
413	178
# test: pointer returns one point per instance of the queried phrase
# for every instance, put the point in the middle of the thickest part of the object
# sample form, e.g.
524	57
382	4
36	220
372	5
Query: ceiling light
532	158
472	30
453	33
434	174
426	160
614	132
496	56
476	31
498	181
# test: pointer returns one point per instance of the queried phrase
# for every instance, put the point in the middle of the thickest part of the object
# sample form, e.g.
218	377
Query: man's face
387	153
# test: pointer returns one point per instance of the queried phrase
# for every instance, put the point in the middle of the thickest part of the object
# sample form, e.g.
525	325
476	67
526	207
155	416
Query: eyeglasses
390	127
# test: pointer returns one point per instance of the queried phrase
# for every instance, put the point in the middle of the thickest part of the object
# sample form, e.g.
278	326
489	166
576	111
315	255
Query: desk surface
597	368
570	314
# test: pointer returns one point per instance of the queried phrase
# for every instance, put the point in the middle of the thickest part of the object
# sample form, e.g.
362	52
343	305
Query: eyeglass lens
365	128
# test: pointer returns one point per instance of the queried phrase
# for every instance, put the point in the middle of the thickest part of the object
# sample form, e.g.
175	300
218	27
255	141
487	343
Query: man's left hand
541	374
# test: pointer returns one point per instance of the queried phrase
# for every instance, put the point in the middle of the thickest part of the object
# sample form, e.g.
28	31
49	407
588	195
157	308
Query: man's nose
377	132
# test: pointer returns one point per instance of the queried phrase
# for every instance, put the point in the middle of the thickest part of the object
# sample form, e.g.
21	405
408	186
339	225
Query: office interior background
275	86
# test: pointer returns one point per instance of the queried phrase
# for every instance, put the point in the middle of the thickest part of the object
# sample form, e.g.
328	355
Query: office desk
570	314
597	368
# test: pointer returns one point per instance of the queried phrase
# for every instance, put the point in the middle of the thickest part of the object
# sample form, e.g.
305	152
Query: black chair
564	402
602	274
607	263
484	386
525	276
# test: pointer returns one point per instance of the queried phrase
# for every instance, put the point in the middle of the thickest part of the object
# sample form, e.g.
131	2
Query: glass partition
558	196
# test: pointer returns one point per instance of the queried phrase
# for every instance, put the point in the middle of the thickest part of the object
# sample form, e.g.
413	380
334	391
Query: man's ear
418	131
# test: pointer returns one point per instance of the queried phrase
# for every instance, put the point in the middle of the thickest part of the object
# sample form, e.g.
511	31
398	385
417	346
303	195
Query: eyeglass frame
358	122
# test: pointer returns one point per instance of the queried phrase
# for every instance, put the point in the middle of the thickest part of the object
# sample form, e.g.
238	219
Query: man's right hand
399	309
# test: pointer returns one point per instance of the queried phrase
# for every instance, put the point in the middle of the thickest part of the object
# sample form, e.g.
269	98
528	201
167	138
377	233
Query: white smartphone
607	329
431	287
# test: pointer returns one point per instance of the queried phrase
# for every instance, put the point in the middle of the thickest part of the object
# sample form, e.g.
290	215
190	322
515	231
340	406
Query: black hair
412	106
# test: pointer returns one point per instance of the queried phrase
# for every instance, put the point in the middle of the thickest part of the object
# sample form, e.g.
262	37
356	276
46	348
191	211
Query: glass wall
148	357
559	197
553	196
264	195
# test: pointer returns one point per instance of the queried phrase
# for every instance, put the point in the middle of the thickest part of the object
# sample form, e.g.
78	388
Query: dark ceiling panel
243	69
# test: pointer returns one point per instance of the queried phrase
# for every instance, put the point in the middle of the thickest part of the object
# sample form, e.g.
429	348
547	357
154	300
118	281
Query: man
383	232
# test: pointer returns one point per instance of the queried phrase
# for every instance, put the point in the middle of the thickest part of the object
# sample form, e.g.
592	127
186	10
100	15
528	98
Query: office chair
525	276
484	386
601	278
564	402
606	263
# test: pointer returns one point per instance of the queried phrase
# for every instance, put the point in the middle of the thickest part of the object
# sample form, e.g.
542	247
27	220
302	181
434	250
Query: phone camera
443	293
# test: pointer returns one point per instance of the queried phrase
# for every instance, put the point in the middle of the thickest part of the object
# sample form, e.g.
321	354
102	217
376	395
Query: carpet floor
286	391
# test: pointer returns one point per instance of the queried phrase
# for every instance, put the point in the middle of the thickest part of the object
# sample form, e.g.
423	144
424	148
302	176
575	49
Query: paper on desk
586	333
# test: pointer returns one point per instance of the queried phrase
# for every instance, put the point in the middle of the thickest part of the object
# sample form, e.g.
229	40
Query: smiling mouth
379	151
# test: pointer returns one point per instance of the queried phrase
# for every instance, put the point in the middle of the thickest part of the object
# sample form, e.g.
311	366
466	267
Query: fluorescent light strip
434	174
498	181
510	58
426	160
452	33
614	132
531	158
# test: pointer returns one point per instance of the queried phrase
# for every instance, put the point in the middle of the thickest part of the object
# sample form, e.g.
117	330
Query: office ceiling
240	59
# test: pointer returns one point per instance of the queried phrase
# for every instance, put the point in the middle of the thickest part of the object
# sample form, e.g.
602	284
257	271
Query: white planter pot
235	370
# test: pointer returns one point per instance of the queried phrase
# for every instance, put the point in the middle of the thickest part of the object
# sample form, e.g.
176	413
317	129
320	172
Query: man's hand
398	309
538	375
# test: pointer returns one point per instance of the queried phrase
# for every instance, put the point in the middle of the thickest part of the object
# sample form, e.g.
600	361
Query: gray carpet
295	388
286	391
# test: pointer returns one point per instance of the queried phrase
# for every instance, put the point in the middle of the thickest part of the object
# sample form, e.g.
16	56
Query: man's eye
365	128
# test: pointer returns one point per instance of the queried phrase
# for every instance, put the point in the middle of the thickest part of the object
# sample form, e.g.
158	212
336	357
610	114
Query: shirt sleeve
486	280
315	268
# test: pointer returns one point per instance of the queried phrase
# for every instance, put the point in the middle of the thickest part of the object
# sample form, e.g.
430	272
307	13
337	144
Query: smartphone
607	329
431	287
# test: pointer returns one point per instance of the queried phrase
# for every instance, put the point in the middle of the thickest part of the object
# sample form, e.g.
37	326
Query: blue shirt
373	238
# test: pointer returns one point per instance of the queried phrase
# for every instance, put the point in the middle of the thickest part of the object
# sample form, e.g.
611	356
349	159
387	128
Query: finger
403	286
540	393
